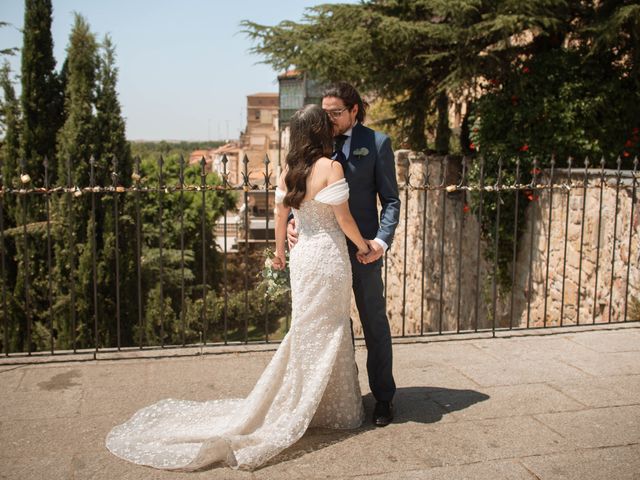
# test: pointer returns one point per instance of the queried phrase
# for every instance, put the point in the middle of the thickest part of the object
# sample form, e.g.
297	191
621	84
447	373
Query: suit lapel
356	138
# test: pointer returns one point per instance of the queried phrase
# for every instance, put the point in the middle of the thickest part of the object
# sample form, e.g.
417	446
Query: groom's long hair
311	138
349	96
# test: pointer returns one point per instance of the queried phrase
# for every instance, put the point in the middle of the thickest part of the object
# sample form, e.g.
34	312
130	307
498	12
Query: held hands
374	252
361	254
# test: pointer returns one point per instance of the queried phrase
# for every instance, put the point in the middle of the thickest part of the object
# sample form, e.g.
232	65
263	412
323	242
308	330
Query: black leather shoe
383	414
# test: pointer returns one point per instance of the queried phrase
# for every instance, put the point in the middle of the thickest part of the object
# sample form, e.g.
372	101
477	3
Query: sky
185	68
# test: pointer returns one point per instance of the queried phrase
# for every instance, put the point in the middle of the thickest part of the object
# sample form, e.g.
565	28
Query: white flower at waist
361	152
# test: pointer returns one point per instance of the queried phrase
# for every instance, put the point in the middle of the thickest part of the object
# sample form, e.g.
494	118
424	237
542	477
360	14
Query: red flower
625	154
536	171
532	197
472	146
525	69
524	148
466	208
628	143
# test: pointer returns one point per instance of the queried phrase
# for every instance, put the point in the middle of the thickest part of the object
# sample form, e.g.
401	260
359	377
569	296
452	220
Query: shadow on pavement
428	404
411	404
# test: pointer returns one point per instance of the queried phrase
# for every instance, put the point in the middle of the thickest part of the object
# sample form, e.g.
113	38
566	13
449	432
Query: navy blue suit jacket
371	176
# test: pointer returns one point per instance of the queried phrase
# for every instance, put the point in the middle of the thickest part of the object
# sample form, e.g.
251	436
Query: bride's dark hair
311	137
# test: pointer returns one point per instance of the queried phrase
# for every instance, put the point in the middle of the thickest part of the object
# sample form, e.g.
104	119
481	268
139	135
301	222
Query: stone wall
444	285
601	297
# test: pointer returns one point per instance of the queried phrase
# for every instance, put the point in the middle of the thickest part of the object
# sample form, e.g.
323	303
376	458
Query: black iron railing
451	268
476	280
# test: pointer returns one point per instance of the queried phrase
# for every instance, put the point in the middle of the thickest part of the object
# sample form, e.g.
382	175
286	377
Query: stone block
621	463
602	391
10	378
625	340
602	427
493	470
518	371
605	364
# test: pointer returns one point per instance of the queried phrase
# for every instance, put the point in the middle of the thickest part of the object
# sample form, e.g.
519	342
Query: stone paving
543	404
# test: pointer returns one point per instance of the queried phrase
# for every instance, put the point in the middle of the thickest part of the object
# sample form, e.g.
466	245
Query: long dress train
310	381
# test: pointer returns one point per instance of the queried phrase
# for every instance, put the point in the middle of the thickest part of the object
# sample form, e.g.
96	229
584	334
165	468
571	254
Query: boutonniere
361	152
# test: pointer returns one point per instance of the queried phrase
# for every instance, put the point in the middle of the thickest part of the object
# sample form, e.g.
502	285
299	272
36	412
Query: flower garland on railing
246	186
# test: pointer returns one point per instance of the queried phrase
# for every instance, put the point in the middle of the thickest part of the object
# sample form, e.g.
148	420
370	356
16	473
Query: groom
369	168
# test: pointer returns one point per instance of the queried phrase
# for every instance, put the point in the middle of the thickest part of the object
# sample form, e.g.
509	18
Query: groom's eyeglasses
336	113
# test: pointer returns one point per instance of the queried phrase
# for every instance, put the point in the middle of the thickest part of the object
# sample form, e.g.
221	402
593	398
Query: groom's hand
375	252
292	233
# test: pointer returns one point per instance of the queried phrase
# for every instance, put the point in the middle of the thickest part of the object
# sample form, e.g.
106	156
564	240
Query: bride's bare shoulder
328	165
330	171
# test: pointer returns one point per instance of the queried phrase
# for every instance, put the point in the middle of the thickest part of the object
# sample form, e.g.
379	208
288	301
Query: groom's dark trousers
368	290
370	173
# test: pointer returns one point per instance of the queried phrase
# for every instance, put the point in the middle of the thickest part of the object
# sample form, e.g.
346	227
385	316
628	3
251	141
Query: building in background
296	89
266	136
253	222
261	137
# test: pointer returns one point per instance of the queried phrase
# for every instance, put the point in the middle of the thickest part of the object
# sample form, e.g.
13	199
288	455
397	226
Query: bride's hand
279	262
362	253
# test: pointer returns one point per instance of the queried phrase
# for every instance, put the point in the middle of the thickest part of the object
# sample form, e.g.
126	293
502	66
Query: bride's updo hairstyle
311	137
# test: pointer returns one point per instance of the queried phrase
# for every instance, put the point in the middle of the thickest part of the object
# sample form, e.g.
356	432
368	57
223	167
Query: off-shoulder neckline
337	182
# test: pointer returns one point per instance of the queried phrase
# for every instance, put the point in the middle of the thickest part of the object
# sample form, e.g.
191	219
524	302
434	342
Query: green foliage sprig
276	283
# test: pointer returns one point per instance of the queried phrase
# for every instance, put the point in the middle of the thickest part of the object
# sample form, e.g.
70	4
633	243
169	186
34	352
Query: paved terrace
549	404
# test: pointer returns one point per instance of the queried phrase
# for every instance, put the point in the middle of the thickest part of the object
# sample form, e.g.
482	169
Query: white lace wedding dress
310	381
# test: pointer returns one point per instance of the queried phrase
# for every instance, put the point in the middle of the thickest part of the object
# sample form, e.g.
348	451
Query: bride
312	378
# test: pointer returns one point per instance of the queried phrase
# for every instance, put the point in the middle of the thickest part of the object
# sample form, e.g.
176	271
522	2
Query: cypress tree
9	150
40	89
76	143
40	101
111	140
76	139
113	154
41	119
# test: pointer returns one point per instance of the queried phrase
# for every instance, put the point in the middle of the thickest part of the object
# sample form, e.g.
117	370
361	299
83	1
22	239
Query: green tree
77	138
409	53
190	207
111	141
41	94
41	113
557	99
76	144
615	33
10	126
113	165
9	151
